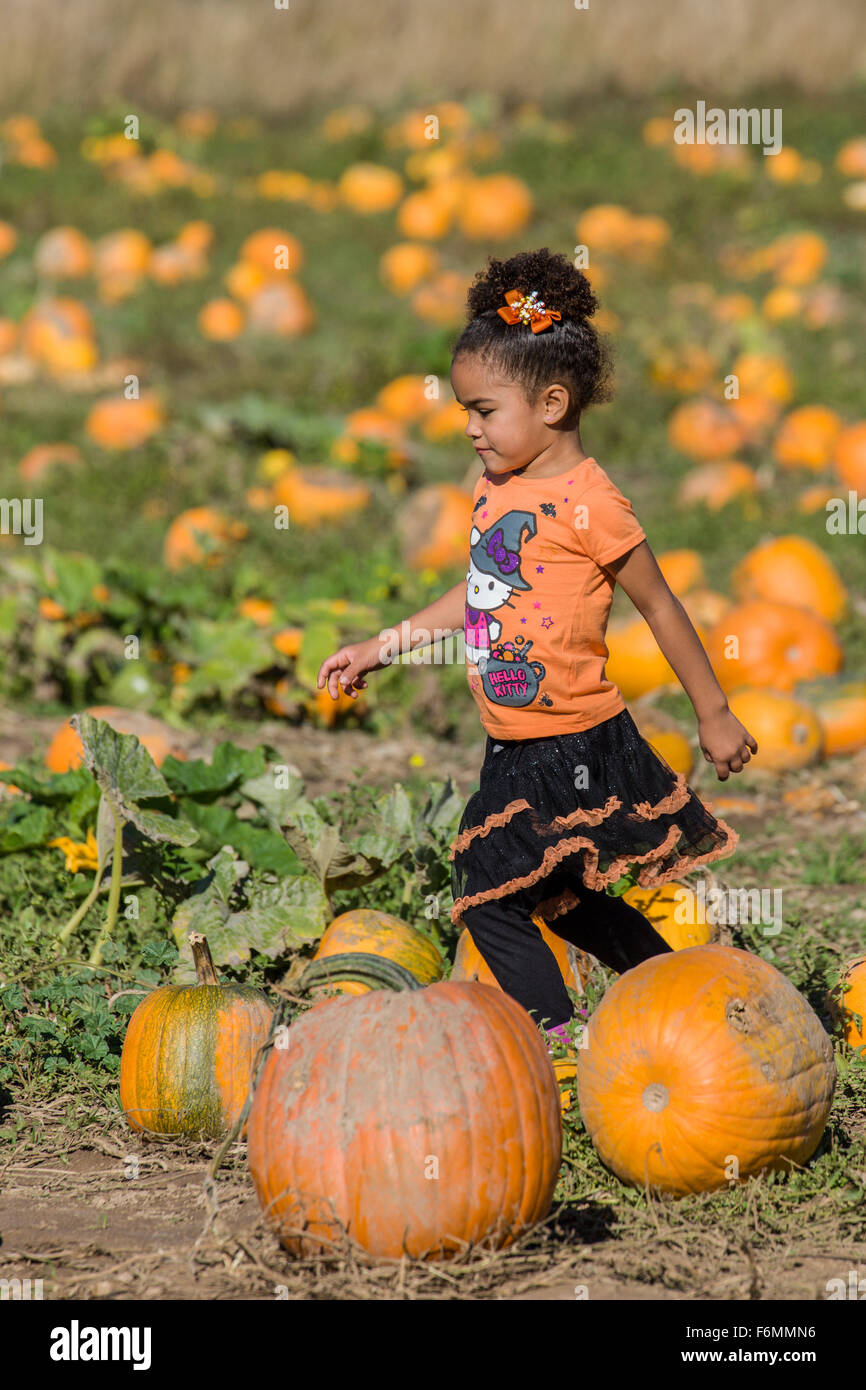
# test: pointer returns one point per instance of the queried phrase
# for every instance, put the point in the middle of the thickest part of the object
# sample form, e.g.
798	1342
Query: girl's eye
484	412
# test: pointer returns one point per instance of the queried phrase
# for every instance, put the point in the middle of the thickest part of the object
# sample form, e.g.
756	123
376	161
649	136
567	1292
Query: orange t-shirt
538	600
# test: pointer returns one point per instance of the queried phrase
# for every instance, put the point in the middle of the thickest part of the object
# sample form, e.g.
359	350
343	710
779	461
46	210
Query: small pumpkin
788	733
64	253
315	494
380	934
406	264
407	398
575	966
434	526
425	216
221	320
376	1097
717	484
704	1066
766	643
44	458
494	207
849	998
841	709
118	423
282	309
704	429
674	911
188	1055
682	569
849	458
442	298
370	188
792	569
273	251
200	536
807	437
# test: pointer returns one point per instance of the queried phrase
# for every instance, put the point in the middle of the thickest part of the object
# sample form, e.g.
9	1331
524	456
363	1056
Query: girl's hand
726	743
347	667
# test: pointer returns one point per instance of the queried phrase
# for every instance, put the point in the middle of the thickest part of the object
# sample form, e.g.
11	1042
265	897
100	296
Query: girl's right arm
348	666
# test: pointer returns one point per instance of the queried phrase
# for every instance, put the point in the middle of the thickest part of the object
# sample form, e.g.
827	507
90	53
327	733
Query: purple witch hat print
494	574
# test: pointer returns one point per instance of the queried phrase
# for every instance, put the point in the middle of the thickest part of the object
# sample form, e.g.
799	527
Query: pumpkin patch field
244	1051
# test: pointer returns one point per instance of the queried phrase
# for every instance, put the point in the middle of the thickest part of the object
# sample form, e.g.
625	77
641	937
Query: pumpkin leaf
278	792
227	767
264	849
443	807
49	787
127	775
26	828
71	577
223	655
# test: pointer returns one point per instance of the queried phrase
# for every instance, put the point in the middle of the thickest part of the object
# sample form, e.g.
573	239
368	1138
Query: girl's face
505	429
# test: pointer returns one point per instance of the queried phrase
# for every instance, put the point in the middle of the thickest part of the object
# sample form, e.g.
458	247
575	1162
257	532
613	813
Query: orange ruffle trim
650	877
644	810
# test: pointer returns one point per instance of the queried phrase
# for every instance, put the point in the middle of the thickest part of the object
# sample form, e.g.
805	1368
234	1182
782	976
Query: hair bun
556	280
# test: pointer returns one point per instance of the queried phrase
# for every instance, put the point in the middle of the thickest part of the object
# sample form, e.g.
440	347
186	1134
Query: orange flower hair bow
527	308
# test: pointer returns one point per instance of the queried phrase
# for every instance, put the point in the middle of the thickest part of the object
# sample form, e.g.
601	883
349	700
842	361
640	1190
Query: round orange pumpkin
442	298
841	709
682	569
703	429
788	733
221	320
370	188
807	437
704	1066
379	934
425	216
189	1053
762	642
674	911
434	527
494	207
406	398
378	1118
281	308
64	751
200	536
118	423
792	569
316	493
403	266
636	663
265	248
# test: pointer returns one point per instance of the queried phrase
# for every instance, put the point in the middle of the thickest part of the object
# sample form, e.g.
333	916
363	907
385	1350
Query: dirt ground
98	1213
120	1218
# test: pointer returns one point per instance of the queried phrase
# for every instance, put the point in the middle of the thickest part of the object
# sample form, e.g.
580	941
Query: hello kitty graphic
494	574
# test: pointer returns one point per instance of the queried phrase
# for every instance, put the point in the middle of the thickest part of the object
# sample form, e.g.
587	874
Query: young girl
571	797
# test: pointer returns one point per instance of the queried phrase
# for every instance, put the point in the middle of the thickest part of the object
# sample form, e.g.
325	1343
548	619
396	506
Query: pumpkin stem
202	959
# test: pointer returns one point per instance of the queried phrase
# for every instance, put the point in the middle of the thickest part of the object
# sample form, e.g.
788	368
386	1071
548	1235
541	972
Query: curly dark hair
570	351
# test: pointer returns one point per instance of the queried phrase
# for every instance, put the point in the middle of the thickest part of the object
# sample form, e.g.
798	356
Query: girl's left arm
725	742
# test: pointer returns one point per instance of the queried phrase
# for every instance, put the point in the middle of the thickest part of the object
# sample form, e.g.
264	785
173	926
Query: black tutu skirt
591	807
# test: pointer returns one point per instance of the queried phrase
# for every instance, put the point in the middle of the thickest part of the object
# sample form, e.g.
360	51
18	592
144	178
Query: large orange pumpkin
845	1002
765	375
682	569
379	934
406	398
189	1053
65	752
762	642
788	733
636	662
792	569
434	527
415	1122
704	1066
425	215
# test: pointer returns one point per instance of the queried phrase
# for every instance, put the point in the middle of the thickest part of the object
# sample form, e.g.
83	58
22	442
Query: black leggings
513	947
